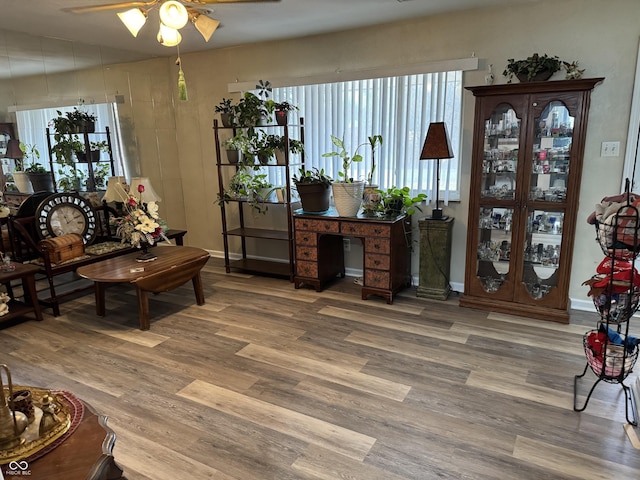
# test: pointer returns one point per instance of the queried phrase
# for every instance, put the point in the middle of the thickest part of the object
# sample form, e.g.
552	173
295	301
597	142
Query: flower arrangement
141	226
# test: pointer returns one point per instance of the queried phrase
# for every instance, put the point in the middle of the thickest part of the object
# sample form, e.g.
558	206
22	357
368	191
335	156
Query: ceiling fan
173	16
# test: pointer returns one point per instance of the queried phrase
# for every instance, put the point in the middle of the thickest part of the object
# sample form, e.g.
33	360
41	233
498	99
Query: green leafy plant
100	173
254	188
29	153
374	141
225	106
75	121
251	111
531	66
395	201
71	178
345	156
312	176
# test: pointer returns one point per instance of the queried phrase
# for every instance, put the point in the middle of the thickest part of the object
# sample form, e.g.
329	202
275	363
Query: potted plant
40	178
370	195
76	121
19	176
532	69
227	112
282	110
67	145
94	148
395	201
313	187
71	178
277	144
100	173
347	193
252	111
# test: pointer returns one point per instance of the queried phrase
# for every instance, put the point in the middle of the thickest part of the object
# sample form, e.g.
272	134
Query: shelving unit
527	162
238	228
611	352
87	138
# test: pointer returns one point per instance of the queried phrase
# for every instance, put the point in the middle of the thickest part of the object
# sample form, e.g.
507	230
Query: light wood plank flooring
268	382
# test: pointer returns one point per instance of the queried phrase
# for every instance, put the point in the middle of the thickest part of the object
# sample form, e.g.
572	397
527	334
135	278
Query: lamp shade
169	37
173	14
116	190
148	194
133	19
13	149
437	144
205	25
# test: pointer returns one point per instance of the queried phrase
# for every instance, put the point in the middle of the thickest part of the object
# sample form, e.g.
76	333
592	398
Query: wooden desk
25	273
320	257
174	267
87	454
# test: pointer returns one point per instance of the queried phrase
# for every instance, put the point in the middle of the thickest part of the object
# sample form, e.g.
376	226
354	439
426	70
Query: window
398	108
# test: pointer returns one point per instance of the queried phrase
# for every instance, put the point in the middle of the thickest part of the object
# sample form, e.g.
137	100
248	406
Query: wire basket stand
610	351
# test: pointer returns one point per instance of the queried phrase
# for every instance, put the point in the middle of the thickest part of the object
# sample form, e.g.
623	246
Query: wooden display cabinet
527	163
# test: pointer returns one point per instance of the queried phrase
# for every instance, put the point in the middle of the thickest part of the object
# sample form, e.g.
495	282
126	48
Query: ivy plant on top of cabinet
528	149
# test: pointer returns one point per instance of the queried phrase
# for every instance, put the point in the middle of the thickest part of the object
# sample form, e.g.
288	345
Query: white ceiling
241	23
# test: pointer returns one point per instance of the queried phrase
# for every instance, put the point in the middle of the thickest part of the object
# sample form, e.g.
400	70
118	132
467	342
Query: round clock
63	213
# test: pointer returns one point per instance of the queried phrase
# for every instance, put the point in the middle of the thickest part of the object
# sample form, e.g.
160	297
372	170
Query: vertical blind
398	108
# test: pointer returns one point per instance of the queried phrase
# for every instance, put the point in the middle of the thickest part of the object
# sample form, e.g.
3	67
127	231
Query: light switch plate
610	149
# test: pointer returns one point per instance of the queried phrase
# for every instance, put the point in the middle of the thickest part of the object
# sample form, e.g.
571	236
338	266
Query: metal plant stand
611	352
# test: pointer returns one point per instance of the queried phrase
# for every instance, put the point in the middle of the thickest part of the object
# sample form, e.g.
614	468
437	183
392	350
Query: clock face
63	213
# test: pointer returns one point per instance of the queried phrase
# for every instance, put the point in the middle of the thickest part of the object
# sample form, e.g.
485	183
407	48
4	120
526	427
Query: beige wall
174	141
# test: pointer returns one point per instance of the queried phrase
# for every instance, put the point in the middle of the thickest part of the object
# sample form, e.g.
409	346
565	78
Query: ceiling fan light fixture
169	37
133	19
205	25
173	14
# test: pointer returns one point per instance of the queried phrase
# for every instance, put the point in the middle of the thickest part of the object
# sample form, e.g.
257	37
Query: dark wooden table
174	267
87	454
25	273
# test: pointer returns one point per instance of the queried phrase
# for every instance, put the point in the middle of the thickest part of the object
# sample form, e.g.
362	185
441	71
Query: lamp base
436	214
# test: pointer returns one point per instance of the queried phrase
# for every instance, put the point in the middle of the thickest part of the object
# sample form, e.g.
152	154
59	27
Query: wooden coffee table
174	266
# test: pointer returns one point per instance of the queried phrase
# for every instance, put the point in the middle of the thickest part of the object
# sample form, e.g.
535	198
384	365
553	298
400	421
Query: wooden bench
24	245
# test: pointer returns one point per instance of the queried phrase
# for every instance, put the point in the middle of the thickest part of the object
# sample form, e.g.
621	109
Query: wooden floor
268	382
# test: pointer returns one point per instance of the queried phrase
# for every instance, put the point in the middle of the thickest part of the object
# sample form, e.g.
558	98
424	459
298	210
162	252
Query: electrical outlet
610	149
346	242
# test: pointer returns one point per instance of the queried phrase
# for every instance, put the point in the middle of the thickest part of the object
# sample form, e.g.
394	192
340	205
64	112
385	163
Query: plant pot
315	197
540	77
233	156
226	119
263	158
393	208
85	126
41	182
82	156
347	197
371	199
280	158
282	117
21	179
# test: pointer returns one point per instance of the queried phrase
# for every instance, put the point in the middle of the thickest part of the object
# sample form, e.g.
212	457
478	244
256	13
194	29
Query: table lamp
437	146
148	194
116	190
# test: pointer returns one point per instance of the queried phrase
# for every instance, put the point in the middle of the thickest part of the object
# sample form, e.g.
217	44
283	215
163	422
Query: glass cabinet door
551	153
500	159
494	247
542	251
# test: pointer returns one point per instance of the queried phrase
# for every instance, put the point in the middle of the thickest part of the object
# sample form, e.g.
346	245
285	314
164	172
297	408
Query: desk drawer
306	238
376	278
320	226
306	269
365	229
377	245
306	253
380	262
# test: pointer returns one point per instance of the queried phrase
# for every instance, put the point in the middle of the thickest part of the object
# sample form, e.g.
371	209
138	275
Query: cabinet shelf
260	233
279	269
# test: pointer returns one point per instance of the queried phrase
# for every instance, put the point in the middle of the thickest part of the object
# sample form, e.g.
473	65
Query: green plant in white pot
347	193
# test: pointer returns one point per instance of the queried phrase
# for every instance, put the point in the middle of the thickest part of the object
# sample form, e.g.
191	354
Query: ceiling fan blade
109	6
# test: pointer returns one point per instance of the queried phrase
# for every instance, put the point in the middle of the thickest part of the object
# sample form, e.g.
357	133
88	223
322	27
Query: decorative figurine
489	77
49	414
573	73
